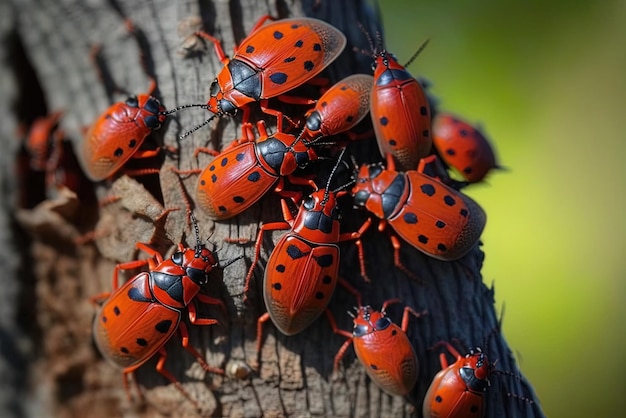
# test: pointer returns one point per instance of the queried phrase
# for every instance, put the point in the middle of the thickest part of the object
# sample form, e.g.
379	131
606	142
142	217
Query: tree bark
49	44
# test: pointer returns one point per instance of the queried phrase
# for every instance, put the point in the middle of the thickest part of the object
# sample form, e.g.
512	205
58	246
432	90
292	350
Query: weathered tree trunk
67	375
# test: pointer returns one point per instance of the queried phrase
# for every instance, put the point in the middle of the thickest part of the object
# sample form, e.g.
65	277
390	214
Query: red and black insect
458	390
340	108
400	111
434	218
303	268
272	60
463	147
247	169
138	318
382	347
118	133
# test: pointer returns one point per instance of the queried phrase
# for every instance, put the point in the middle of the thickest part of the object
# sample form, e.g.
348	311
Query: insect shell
385	351
434	218
117	134
340	108
303	268
458	390
272	60
139	317
245	171
400	112
463	147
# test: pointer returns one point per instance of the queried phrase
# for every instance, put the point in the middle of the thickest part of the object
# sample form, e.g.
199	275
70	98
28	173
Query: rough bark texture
47	355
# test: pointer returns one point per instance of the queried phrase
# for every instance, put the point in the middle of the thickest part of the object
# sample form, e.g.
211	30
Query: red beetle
458	390
434	218
43	142
463	147
341	108
138	318
303	269
247	169
400	112
382	347
272	60
118	133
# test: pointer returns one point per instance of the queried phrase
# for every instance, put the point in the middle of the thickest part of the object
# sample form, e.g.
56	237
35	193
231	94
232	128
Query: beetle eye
132	101
359	330
382	323
177	258
215	88
308	203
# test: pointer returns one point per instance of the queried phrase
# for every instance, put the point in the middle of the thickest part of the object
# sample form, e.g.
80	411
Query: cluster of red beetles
411	194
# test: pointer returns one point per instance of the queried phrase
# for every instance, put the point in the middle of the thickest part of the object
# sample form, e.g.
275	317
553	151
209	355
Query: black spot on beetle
278	78
299	44
132	143
238	199
280	268
278	35
309	65
213	178
249	49
440	224
124	350
277	286
118	152
384	121
254	177
289	59
410	218
163	326
423	239
239	157
428	189
142	342
449	200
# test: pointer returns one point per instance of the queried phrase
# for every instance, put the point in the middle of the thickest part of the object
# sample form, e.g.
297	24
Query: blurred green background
547	81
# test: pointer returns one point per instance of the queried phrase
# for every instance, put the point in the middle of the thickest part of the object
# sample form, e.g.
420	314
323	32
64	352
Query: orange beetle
303	269
341	108
247	169
431	216
117	134
382	347
458	390
463	147
138	318
400	112
272	60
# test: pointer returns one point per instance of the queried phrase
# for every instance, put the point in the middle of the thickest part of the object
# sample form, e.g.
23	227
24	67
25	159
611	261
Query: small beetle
273	59
303	269
138	318
341	108
458	390
382	347
463	147
434	218
247	169
400	111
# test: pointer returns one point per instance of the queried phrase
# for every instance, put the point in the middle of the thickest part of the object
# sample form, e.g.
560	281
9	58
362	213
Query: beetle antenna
231	261
194	129
176	109
330	176
420	49
369	39
197	231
